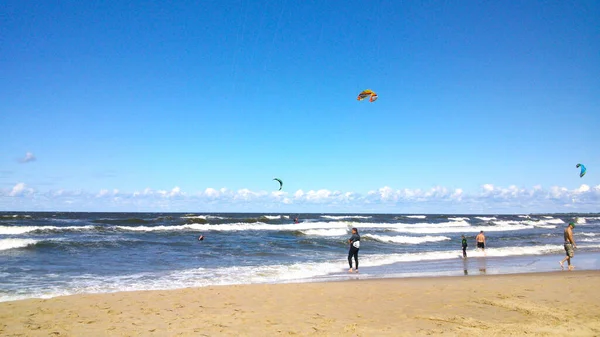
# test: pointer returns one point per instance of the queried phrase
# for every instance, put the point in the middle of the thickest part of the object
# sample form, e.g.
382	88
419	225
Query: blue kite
280	183
583	169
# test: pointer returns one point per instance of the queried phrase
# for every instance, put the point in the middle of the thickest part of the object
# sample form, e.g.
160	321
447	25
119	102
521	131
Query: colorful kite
367	93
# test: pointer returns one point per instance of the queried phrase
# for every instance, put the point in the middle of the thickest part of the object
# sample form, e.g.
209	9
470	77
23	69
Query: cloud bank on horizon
487	200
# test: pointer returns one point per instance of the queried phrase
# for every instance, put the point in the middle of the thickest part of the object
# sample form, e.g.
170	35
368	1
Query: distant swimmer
464	246
201	238
569	246
296	220
354	242
480	239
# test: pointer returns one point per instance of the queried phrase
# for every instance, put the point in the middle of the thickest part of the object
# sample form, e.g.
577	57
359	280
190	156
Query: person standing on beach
569	246
480	239
354	242
464	246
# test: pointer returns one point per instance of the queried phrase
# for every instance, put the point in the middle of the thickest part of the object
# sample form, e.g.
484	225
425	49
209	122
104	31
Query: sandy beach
548	304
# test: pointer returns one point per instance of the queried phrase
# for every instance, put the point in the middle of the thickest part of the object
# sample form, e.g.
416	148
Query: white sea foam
204	217
272	217
240	226
554	221
197	277
551	223
416	216
326	232
459	219
14	216
415	225
484	218
456	223
327	227
544	226
14	230
274	273
507	222
588	234
590	240
462	229
406	239
260	226
65	220
188	227
6	244
383	259
342	217
17	229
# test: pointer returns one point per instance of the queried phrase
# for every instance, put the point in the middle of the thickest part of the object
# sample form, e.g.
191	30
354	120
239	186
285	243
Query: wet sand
540	304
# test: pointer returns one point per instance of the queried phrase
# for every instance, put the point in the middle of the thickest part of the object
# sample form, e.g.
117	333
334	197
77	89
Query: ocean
44	255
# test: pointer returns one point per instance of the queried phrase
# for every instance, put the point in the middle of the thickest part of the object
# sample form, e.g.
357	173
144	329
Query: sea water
44	255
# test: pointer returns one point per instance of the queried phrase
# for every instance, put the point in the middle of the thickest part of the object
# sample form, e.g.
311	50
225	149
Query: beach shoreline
109	252
546	303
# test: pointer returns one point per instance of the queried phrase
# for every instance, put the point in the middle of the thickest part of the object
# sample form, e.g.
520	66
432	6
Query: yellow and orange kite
367	93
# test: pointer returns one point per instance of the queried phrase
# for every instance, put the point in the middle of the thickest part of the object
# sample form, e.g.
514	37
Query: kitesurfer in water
354	248
296	220
201	237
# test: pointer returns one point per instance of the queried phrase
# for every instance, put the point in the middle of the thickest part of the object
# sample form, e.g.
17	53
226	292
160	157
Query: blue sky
484	107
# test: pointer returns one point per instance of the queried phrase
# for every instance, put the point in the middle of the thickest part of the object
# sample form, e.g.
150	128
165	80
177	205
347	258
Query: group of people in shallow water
480	241
354	242
569	245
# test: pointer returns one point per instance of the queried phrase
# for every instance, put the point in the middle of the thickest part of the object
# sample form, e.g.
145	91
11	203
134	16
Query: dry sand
545	304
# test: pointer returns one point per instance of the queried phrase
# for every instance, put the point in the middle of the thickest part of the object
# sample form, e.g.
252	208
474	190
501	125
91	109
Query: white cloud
437	199
19	190
387	194
174	192
317	196
102	193
245	195
457	194
29	157
211	193
57	193
147	191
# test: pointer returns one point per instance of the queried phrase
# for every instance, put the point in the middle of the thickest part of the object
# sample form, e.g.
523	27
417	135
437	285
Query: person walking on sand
354	242
569	246
480	239
464	246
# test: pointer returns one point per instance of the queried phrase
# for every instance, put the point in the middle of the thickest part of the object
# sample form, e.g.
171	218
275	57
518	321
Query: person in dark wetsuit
464	246
354	248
